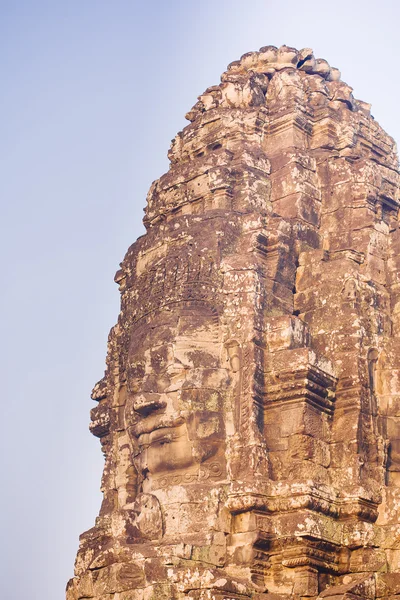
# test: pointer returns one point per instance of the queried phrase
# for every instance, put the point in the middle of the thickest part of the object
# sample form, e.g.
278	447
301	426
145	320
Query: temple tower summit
250	409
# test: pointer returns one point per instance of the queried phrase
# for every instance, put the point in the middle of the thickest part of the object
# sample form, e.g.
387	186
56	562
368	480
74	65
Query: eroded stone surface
250	410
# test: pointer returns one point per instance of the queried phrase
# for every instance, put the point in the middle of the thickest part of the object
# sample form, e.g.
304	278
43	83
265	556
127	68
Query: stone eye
135	375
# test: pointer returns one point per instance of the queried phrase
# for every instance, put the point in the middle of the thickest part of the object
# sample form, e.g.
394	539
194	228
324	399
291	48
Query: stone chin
165	449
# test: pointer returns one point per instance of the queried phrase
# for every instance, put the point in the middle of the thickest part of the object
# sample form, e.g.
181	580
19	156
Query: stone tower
250	409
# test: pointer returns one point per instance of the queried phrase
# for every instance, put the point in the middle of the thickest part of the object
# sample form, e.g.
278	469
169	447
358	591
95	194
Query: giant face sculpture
255	455
176	387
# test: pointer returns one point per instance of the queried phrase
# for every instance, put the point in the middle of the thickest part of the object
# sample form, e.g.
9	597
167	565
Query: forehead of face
188	338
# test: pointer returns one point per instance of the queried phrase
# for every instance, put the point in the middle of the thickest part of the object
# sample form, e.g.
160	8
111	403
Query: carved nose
146	403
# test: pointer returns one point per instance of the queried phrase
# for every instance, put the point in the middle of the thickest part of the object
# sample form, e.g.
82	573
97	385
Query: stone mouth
156	423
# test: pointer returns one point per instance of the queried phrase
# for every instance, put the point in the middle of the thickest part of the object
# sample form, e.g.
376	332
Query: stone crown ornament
250	410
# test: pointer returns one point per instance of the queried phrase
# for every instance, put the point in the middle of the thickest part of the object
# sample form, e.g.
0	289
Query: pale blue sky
92	94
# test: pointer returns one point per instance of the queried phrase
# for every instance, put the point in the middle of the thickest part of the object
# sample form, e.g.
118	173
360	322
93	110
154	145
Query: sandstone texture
250	410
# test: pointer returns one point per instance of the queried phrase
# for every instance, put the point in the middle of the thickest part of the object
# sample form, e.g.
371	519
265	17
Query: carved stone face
176	384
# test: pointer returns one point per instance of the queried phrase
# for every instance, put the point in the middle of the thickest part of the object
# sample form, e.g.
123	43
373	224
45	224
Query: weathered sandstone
250	410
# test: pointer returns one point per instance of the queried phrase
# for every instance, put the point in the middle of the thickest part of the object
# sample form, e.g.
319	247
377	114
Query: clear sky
92	93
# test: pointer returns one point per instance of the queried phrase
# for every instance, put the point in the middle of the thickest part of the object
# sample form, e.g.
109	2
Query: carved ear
234	355
373	356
